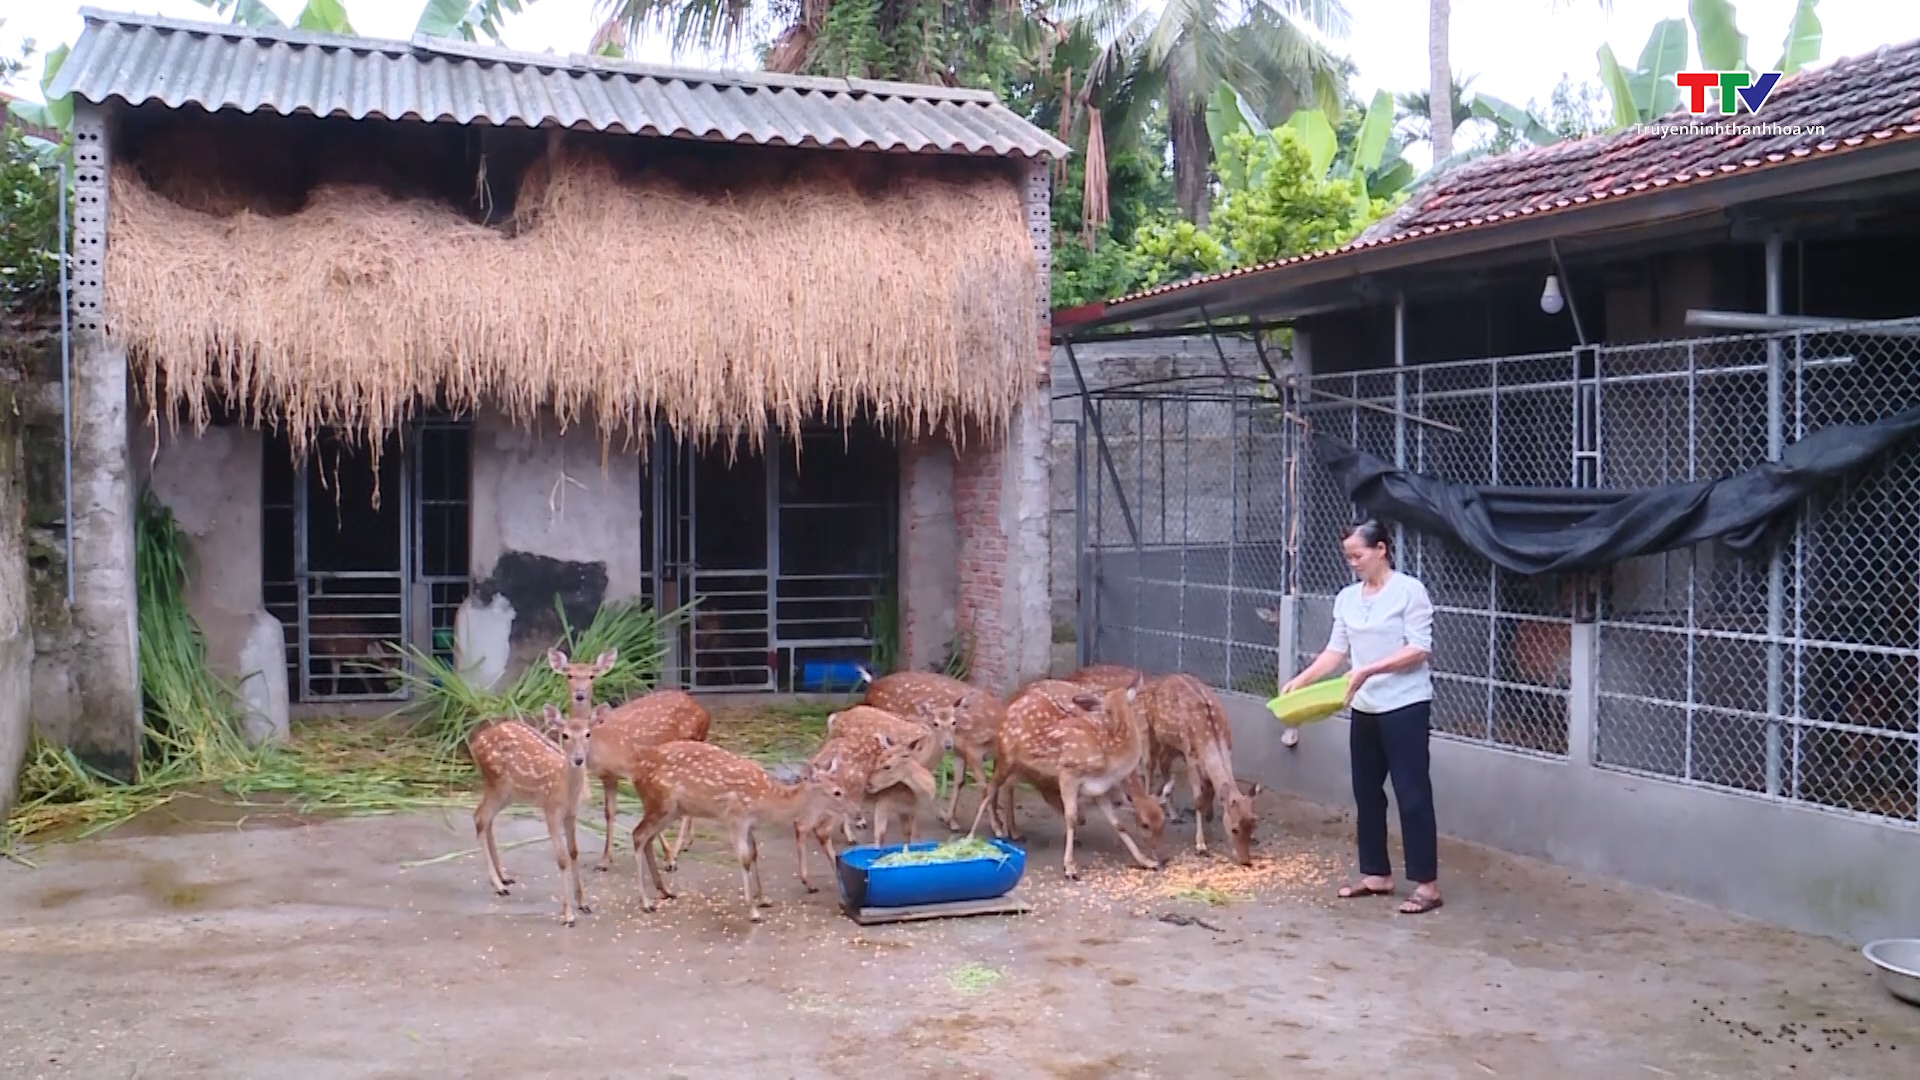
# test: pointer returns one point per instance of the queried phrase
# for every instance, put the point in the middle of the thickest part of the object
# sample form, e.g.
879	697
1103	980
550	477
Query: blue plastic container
984	878
829	676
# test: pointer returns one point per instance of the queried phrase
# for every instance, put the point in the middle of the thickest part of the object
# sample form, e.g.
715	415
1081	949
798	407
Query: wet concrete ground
307	950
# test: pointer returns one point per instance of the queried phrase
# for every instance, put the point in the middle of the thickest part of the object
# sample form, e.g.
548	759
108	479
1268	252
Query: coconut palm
1189	47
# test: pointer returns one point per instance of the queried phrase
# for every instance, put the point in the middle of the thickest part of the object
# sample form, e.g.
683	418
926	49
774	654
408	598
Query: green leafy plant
883	627
448	708
1642	94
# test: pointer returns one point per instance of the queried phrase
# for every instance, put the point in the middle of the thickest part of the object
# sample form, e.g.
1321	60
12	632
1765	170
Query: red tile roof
1858	101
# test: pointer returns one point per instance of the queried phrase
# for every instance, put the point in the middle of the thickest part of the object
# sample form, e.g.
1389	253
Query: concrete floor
292	950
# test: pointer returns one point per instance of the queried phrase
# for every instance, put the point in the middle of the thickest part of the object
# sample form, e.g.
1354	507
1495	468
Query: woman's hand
1355	680
1293	684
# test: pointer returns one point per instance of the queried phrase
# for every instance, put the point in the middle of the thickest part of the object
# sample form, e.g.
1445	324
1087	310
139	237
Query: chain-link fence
1793	672
1502	644
1184	528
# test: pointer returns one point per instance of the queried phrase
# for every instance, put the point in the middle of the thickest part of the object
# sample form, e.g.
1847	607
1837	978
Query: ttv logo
1734	88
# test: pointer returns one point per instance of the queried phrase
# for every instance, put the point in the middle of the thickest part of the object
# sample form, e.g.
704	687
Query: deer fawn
660	716
1086	744
977	719
517	765
865	720
883	772
696	779
1187	721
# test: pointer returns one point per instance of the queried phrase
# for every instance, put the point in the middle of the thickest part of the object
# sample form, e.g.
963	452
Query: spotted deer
1186	721
977	716
881	771
697	779
864	720
655	717
1088	744
516	764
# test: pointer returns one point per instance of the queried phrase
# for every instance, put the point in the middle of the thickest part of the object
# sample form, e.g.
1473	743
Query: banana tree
1641	94
321	16
468	20
1724	48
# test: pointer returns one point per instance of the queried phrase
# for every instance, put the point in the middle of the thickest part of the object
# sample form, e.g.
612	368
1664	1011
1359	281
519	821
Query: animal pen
400	366
1209	537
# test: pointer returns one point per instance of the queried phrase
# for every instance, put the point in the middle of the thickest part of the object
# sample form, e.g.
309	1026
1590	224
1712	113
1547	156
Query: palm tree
1440	67
1187	48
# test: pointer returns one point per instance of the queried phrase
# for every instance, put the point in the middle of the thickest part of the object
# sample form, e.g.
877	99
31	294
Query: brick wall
986	488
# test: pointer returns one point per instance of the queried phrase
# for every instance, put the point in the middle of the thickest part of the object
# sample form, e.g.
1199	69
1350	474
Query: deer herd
1096	736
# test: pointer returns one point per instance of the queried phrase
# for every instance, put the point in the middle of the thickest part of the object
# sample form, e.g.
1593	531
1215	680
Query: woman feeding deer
1383	625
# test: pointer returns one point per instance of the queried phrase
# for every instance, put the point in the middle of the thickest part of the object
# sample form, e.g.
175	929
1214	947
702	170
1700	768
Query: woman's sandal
1361	889
1420	905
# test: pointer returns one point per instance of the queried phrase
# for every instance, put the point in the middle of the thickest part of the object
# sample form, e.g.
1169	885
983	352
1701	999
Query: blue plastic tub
862	886
829	676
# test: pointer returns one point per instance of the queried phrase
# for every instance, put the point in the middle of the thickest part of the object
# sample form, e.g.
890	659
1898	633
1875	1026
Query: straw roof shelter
482	235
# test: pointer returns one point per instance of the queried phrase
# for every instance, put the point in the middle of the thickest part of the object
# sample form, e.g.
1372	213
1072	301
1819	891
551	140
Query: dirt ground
310	949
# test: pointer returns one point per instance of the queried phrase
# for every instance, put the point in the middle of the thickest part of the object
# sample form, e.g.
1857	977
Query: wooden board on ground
999	905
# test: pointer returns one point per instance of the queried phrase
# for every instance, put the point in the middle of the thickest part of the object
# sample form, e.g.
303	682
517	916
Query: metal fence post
1399	405
1082	556
1776	567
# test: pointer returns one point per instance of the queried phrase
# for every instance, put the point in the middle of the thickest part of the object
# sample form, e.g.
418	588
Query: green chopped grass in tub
952	851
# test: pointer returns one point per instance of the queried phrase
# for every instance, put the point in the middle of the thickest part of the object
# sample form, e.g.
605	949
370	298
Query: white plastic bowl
1899	962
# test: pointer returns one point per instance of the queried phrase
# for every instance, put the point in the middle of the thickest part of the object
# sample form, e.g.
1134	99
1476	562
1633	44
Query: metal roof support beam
1100	439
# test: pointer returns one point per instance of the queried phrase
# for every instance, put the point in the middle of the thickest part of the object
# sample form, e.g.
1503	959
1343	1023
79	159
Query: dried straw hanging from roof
616	302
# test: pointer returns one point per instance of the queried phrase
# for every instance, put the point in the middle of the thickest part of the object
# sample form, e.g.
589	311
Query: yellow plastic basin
1309	703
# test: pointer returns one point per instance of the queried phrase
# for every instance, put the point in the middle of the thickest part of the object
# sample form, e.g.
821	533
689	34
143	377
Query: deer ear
600	714
557	660
961	701
886	741
605	662
1087	702
551	714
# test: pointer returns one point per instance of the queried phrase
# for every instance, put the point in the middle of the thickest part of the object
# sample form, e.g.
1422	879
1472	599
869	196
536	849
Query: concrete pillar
1583	700
16	619
106	728
929	553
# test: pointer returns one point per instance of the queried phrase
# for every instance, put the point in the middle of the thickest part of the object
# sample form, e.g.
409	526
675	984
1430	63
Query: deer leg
650	826
610	789
556	830
879	813
961	763
491	803
759	890
1202	805
573	861
743	850
1070	808
986	803
800	857
1106	807
679	844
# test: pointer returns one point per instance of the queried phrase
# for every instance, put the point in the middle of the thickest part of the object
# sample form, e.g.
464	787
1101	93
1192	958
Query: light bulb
1550	300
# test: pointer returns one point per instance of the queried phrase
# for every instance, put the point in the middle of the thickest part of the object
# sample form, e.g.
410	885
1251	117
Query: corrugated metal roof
217	66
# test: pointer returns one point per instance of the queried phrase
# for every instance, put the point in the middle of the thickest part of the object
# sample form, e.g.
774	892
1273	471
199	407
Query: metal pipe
1082	558
1776	568
1100	439
1775	322
1400	404
66	385
1566	291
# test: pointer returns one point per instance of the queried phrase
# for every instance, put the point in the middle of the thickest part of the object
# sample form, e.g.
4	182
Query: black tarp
1557	530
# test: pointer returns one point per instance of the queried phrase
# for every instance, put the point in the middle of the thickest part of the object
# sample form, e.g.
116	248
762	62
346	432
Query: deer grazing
862	721
884	773
1187	722
1088	745
697	779
660	716
977	718
518	765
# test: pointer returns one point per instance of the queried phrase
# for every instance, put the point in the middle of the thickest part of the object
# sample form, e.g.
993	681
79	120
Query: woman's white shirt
1368	629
